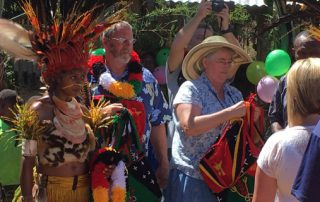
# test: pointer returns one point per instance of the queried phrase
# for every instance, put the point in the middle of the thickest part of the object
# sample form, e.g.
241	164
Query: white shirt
281	156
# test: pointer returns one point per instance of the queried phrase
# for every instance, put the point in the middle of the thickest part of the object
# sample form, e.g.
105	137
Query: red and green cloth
230	163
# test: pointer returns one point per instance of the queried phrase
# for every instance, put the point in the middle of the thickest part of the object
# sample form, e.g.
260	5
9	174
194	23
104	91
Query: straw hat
192	67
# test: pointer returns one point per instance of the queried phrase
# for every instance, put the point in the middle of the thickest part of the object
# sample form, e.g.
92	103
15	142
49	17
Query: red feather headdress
62	30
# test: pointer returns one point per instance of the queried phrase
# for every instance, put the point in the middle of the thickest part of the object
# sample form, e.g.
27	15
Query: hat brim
192	69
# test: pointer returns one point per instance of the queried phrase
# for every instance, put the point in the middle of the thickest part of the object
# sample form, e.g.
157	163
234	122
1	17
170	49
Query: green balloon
277	62
162	56
99	51
255	71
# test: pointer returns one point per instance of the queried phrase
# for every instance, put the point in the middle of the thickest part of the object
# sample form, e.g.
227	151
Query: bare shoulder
44	107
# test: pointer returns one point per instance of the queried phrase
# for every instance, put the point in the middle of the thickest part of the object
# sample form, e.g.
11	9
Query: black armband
230	29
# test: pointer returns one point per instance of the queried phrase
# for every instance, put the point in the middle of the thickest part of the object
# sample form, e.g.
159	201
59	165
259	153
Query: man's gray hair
109	32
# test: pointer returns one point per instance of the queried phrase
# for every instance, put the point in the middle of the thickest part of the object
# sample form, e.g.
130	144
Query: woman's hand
111	109
237	110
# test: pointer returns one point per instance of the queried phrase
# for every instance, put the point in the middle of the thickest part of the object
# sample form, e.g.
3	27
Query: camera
218	5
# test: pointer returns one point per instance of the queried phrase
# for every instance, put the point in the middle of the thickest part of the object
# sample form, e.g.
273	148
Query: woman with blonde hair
281	156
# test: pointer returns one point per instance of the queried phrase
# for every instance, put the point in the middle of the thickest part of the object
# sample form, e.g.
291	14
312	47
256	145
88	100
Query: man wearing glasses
118	42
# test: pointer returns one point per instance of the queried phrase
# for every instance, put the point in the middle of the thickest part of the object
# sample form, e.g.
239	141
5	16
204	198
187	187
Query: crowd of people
175	134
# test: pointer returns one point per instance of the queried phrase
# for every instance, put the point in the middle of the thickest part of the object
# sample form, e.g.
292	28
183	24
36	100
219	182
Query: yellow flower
26	122
96	115
122	89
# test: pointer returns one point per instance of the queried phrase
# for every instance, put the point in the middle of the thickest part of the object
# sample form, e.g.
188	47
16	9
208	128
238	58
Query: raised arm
224	21
185	34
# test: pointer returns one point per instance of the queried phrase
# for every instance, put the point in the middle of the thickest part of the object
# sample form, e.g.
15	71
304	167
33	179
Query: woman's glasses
223	62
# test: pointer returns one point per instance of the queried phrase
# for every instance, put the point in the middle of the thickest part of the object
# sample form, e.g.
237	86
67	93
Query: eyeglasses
223	62
123	40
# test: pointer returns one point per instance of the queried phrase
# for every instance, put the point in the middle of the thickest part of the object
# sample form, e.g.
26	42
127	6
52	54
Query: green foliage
240	15
8	73
157	28
11	9
278	36
9	76
273	34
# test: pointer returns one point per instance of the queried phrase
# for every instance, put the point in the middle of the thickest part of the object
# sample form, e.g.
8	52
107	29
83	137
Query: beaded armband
29	147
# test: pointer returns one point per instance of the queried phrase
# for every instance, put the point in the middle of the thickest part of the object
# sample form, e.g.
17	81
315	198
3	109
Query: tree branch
286	19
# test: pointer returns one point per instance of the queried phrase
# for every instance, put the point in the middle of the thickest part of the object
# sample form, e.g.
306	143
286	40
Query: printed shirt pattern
187	151
156	107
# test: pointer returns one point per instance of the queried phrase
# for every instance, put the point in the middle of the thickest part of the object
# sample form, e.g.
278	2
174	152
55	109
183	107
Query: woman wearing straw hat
202	105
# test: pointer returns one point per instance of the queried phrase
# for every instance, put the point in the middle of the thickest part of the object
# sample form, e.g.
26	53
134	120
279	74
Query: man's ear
292	52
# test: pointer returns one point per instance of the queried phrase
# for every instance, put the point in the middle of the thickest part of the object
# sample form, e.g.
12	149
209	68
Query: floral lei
100	185
128	89
125	92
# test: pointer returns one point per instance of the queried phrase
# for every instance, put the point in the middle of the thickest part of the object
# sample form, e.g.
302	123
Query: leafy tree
7	79
156	27
11	9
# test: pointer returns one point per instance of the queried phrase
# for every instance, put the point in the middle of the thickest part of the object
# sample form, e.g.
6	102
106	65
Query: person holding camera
192	34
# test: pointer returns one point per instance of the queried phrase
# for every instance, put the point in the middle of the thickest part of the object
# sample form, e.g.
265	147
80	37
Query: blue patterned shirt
156	107
187	151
